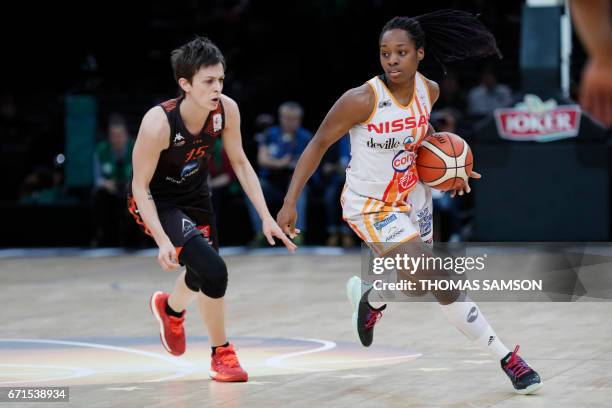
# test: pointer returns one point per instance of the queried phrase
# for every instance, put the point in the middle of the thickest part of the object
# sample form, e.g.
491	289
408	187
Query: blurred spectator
488	95
9	120
446	209
263	122
45	185
112	172
279	149
329	181
15	151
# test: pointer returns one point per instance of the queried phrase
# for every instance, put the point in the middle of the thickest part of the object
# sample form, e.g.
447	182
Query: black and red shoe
524	378
171	331
365	316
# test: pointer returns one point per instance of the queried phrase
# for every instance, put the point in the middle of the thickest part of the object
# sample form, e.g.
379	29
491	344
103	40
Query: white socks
467	317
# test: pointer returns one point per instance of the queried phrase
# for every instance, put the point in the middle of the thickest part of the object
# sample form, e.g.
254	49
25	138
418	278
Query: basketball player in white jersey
383	200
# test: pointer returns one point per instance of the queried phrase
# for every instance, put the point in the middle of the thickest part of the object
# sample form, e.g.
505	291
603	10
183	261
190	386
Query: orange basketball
444	161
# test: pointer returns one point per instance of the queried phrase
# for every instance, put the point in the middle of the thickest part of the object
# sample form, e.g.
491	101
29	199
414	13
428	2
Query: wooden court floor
85	323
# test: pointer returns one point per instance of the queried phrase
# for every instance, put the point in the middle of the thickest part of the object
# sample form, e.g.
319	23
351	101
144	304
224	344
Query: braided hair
450	35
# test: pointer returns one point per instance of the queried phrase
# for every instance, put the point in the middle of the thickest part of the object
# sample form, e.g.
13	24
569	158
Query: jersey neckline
395	101
182	122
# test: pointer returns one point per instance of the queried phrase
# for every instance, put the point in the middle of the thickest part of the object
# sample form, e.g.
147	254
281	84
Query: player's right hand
286	219
271	229
167	256
465	187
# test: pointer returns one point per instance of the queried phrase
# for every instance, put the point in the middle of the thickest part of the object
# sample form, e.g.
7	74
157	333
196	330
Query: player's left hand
271	229
465	188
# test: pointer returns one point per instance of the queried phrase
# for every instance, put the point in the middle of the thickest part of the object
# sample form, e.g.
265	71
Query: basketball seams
454	157
439	153
446	174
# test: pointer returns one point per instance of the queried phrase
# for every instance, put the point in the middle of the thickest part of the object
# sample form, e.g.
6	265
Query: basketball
444	161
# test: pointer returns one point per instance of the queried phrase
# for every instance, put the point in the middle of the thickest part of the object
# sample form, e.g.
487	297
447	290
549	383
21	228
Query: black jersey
181	176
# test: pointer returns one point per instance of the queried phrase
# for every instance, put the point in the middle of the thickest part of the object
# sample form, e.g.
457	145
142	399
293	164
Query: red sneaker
224	366
171	331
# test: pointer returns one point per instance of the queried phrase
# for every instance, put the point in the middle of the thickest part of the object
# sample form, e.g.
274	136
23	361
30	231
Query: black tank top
181	175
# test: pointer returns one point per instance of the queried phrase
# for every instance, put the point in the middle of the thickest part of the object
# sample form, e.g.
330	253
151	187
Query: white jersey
383	148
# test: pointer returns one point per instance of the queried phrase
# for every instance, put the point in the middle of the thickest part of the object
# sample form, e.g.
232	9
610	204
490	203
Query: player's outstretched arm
355	106
232	143
152	139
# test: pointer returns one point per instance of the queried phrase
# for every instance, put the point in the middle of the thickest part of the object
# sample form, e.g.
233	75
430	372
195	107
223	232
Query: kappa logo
179	140
217	122
384	104
188	226
472	315
491	338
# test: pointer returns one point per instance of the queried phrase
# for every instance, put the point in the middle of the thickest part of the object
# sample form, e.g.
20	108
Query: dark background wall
118	52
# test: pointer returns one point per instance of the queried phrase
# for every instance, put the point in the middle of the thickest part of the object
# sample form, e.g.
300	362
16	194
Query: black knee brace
206	270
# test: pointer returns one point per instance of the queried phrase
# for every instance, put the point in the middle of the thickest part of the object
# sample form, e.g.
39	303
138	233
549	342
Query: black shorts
181	223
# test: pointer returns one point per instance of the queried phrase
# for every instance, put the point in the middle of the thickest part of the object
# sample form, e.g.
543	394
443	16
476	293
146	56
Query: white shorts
384	226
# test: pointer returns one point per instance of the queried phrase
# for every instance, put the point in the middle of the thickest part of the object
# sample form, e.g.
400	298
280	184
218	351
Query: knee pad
206	270
192	280
215	280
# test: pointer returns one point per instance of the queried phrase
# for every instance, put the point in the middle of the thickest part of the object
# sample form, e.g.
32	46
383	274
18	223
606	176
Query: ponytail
450	35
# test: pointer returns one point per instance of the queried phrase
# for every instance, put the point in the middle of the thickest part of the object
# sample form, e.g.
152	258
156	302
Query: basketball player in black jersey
170	198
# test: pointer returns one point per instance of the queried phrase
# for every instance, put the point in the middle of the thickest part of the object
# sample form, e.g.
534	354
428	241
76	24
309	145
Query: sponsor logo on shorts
381	224
205	229
393	233
403	161
217	122
472	314
188	226
179	140
491	338
425	221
